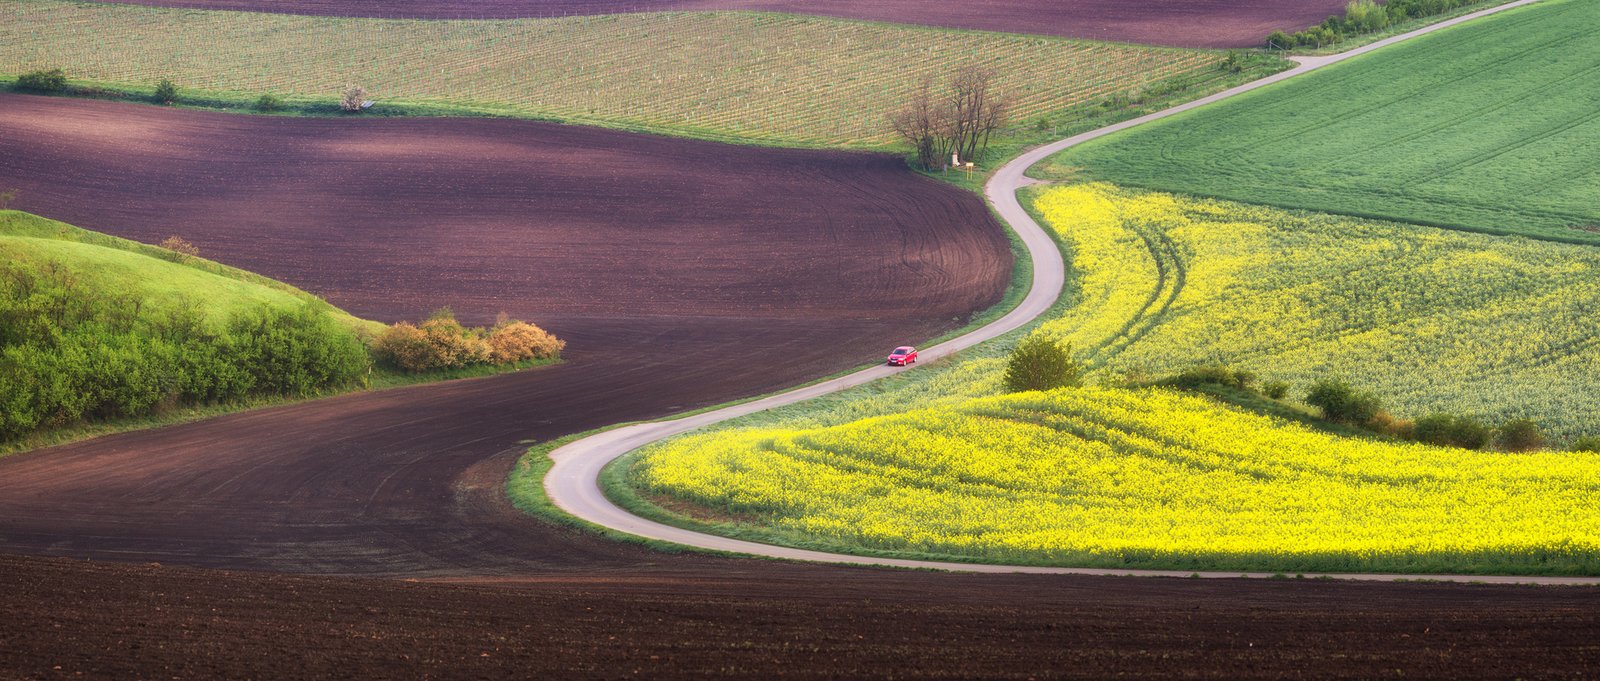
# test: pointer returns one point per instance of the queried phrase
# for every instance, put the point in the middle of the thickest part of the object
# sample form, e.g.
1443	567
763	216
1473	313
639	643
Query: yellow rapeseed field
1108	476
1430	319
939	462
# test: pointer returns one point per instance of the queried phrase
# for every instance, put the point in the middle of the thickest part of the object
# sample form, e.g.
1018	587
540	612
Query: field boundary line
573	482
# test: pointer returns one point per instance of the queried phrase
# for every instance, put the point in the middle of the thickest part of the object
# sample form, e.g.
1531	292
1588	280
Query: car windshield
901	351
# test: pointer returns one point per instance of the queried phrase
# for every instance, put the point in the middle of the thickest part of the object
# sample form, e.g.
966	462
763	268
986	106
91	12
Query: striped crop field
939	462
1491	126
731	75
1430	319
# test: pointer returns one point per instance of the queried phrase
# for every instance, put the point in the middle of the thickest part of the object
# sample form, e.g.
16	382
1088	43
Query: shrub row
71	352
1361	17
443	343
1339	402
52	80
1342	403
166	91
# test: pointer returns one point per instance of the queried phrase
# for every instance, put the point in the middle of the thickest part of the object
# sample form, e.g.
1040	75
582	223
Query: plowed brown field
1184	23
703	618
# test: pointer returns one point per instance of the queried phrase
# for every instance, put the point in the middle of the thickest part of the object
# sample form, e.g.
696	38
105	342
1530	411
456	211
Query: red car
902	356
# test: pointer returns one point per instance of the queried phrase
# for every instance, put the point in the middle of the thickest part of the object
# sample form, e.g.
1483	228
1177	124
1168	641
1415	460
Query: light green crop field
742	76
1490	126
937	462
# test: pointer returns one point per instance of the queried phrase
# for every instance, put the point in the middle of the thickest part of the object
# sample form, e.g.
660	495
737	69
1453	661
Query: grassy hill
98	329
769	78
102	262
939	462
1489	126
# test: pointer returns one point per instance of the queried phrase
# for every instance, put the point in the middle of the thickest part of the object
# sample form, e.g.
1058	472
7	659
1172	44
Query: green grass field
96	330
742	76
101	262
937	462
1491	126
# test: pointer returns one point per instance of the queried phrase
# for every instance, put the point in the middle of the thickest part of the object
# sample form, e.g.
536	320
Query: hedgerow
68	354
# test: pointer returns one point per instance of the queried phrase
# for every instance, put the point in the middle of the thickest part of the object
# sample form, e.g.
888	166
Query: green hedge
68	355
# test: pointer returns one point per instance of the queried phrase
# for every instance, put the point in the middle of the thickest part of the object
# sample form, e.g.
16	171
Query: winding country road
573	482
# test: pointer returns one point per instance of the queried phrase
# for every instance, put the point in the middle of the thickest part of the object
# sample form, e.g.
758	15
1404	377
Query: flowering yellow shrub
443	343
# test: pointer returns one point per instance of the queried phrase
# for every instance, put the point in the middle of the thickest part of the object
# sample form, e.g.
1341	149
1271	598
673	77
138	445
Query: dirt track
1185	23
681	274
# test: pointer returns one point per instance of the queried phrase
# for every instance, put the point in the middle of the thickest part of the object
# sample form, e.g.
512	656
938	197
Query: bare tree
959	123
921	123
6	197
975	111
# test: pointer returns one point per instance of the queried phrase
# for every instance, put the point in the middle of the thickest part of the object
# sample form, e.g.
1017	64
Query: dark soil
762	620
1186	23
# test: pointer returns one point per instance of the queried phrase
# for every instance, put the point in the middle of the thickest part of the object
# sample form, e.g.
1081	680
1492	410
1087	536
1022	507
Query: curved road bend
573	482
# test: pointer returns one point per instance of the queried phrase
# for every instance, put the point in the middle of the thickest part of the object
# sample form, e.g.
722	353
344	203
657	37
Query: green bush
1450	430
166	92
1341	402
268	102
1276	390
1040	363
1586	444
1216	375
295	352
1521	435
53	80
